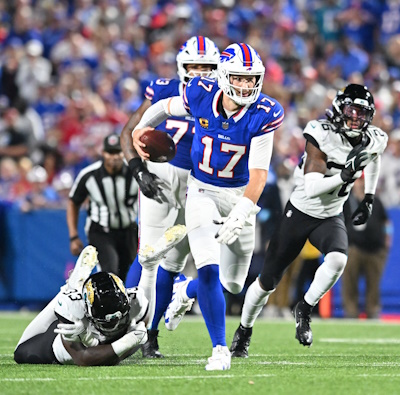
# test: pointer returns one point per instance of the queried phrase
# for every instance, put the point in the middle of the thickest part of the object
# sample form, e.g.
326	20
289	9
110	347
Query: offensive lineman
338	150
231	152
158	210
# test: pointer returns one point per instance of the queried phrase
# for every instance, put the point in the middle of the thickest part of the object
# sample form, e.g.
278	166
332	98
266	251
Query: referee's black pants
117	248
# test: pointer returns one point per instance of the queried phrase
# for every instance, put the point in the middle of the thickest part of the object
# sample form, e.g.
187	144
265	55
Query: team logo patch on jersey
203	123
225	125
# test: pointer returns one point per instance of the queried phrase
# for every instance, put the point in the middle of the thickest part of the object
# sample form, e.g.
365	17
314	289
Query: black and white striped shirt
111	197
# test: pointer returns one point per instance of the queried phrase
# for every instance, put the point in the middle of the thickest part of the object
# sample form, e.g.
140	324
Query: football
159	145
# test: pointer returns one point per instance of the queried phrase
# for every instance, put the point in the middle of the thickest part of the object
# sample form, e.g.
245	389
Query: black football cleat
241	342
303	329
150	348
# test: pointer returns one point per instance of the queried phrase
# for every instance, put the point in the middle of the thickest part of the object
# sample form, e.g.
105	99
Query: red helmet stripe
247	58
201	45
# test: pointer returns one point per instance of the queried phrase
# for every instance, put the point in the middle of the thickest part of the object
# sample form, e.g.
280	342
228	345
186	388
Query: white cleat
220	359
177	307
85	263
171	237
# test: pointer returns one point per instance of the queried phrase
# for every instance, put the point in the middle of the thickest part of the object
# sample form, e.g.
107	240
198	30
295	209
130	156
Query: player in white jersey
338	151
198	56
99	323
231	152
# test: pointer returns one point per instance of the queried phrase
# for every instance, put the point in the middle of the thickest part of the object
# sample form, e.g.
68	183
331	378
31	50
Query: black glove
356	160
364	210
149	183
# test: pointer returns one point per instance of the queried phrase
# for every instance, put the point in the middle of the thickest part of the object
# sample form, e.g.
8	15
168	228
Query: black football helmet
107	303
355	104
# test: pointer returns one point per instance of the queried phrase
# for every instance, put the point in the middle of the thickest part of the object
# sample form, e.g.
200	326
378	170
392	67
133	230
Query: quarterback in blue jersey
231	153
159	210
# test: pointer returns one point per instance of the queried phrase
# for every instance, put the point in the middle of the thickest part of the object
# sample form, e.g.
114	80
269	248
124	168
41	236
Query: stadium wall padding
35	258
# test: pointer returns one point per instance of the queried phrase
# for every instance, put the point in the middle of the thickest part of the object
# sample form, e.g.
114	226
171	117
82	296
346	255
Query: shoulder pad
378	140
69	305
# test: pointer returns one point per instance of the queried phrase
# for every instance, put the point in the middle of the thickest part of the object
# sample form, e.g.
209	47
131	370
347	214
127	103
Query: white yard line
360	341
147	378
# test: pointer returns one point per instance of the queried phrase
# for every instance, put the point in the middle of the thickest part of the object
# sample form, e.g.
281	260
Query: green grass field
347	357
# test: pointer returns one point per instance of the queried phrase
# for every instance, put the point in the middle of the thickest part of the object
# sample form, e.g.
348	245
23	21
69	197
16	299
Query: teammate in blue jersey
159	210
231	152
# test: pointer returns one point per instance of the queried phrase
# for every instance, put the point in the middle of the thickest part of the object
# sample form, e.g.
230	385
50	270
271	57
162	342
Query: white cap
34	48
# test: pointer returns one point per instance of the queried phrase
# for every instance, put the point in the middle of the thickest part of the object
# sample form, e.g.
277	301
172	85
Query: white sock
254	301
147	282
325	277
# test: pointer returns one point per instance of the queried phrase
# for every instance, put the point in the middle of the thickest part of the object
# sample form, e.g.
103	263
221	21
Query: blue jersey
220	148
180	129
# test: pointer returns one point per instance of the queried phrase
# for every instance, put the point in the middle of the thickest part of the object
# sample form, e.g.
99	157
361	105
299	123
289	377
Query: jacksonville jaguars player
97	323
231	152
338	150
158	209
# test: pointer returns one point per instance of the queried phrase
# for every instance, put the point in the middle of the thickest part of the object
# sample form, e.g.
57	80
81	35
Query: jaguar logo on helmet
89	293
107	303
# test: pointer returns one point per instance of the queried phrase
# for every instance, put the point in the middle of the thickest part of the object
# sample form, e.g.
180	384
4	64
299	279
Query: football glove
71	332
364	210
149	183
140	331
233	224
356	160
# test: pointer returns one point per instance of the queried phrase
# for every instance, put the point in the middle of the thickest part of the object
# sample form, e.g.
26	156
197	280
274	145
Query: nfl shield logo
225	125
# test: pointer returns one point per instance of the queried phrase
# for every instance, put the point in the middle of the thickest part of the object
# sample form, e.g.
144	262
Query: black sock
304	306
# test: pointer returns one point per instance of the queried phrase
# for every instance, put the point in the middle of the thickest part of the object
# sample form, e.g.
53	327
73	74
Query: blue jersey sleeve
161	89
194	92
270	115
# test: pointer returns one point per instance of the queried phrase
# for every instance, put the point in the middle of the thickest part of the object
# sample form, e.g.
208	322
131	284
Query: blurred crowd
72	71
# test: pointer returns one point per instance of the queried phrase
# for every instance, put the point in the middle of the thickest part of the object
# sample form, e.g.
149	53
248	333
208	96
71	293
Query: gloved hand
356	160
140	331
149	183
233	224
364	210
71	332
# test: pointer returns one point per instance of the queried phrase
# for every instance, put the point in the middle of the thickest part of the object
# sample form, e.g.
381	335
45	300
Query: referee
111	222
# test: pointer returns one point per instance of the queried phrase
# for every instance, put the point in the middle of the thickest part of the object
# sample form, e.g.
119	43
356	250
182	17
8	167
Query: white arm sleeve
161	110
371	175
316	184
261	151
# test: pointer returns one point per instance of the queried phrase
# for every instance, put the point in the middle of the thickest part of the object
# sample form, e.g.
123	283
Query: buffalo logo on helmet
227	54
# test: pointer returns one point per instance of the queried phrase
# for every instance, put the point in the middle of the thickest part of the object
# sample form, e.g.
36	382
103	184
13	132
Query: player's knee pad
269	282
232	287
335	262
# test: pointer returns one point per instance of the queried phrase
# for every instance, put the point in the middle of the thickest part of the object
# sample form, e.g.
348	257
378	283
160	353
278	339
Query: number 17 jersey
220	148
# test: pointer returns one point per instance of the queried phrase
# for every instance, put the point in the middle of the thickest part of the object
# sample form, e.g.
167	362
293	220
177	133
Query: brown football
159	145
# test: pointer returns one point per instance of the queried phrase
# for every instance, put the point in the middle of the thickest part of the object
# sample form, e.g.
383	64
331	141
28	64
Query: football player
231	152
99	323
94	319
338	150
158	209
